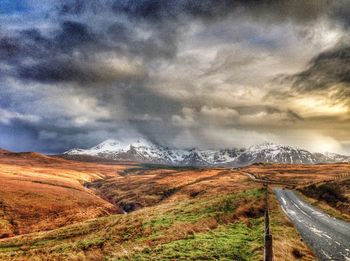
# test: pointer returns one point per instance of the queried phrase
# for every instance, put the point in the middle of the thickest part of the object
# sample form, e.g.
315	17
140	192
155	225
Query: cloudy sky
183	73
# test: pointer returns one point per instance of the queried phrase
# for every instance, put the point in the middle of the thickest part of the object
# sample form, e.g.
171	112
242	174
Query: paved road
326	235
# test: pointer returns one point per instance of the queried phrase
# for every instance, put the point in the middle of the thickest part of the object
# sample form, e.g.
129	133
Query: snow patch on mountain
274	153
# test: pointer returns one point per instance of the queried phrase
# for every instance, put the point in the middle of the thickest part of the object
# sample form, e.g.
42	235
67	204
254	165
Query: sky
181	73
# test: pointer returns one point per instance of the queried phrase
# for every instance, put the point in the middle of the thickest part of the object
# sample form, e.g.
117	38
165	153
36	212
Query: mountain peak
109	145
117	145
275	153
141	142
271	146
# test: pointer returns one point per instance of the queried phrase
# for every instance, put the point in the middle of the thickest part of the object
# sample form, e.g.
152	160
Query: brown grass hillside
41	193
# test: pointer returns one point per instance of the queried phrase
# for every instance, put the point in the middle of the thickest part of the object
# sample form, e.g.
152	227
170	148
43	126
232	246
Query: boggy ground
174	214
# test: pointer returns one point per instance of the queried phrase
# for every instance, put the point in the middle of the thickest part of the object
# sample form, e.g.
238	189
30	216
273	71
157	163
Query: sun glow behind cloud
319	106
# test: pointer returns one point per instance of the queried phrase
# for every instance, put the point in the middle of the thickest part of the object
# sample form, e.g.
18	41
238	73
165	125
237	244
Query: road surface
327	236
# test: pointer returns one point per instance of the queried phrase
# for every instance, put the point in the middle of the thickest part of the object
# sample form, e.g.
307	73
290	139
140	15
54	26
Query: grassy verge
287	243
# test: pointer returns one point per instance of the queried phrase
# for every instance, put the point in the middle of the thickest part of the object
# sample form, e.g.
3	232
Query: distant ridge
34	156
2	151
142	150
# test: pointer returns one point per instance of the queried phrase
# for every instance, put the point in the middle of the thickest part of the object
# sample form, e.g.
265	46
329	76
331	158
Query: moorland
57	209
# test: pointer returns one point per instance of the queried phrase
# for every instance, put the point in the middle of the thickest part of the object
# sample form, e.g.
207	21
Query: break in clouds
182	73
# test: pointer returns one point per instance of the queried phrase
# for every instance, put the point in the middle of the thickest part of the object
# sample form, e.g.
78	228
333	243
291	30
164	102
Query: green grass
190	211
230	242
87	243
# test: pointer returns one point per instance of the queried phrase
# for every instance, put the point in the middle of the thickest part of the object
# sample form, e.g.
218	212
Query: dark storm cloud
289	114
8	48
75	7
66	69
53	51
328	72
171	9
341	12
54	71
53	55
74	34
155	10
264	10
32	139
51	58
30	43
10	135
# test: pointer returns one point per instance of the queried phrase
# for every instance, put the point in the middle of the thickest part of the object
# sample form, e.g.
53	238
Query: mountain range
143	150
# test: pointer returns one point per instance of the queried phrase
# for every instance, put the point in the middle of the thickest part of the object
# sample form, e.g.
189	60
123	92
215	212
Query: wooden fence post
268	252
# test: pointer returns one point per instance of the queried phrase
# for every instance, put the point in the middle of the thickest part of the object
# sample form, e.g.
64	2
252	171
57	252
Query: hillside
41	193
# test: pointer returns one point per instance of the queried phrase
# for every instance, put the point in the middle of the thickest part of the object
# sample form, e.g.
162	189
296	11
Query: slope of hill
144	151
2	151
40	192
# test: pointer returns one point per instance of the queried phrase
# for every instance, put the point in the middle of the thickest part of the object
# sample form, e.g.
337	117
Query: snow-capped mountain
143	150
138	150
146	151
337	157
209	157
274	153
